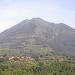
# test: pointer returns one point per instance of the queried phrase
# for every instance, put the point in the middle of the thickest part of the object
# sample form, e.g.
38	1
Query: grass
40	67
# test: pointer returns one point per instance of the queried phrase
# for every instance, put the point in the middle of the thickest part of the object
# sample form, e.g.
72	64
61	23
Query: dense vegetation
37	67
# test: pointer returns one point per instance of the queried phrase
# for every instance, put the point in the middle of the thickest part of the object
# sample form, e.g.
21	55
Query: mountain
37	36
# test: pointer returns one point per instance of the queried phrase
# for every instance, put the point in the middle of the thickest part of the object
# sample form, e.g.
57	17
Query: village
16	58
29	58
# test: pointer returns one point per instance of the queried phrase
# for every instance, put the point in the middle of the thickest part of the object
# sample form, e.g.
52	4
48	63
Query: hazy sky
14	11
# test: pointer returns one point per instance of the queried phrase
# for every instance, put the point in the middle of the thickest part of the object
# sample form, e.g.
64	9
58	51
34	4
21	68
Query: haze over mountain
37	36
